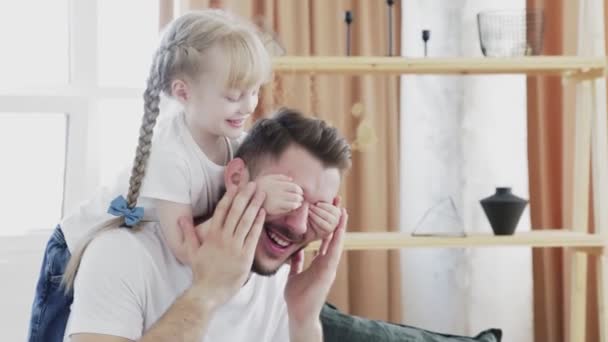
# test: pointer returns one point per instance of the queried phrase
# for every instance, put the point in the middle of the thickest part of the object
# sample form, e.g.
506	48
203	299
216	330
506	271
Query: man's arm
108	298
186	320
306	291
231	236
302	332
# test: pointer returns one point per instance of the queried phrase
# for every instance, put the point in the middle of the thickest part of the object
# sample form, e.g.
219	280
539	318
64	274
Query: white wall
461	137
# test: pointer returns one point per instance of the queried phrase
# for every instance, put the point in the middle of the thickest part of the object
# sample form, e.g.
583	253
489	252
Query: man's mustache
280	229
284	232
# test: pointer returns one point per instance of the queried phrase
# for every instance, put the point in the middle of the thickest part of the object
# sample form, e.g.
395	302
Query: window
118	152
32	146
34	36
127	34
71	77
70	93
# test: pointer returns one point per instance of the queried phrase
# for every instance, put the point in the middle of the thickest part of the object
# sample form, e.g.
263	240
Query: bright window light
118	133
34	36
32	150
128	35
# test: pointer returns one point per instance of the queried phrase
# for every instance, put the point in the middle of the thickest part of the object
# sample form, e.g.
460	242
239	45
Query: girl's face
213	108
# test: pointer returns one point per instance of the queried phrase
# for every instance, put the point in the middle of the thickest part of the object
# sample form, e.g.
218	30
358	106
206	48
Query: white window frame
79	101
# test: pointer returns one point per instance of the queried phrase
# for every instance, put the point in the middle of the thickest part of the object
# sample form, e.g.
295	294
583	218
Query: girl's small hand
324	217
282	194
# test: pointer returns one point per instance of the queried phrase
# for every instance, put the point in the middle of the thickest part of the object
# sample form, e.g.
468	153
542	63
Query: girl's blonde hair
181	54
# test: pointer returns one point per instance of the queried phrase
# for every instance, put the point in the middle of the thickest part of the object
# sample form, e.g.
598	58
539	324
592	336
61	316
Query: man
130	287
237	286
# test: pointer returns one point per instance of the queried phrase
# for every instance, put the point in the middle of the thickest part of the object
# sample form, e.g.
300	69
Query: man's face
285	235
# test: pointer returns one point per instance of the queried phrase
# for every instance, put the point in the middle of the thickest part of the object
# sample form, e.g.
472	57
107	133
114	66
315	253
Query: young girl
213	64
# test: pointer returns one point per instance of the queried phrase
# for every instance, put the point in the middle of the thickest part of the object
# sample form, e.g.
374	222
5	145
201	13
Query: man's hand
222	254
282	194
306	291
221	262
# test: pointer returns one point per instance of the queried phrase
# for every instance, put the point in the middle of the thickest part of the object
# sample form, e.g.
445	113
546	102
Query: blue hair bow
119	208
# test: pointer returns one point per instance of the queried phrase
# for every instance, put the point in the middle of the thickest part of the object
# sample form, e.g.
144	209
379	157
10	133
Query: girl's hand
282	194
324	217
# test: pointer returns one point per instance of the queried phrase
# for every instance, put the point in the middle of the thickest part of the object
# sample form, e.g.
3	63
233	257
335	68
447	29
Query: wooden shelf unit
546	65
535	238
590	141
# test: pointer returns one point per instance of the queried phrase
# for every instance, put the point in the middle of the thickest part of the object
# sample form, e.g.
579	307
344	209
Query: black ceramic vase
503	210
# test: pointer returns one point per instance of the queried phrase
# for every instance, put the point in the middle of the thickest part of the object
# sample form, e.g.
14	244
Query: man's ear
236	173
180	91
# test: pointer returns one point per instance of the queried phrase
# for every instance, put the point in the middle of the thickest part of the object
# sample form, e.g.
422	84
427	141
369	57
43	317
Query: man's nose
297	220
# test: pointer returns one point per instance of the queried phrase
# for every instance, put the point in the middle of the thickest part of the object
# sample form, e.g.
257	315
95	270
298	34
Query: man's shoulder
123	247
113	249
111	286
116	239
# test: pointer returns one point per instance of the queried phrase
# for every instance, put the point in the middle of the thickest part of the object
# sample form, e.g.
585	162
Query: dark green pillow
339	327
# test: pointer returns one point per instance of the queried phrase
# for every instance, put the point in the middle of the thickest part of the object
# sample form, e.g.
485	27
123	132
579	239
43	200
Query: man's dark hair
270	137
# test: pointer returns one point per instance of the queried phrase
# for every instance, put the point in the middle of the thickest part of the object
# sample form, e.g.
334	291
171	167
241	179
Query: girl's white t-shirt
177	171
128	279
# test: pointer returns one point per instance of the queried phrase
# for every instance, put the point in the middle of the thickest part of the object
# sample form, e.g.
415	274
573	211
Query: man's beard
265	272
260	270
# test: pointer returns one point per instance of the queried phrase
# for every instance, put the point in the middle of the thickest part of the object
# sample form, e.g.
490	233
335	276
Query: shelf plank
536	238
546	65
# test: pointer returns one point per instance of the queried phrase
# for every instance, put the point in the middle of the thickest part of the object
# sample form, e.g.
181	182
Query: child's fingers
328	213
314	226
280	177
291	197
289	206
333	210
320	223
289	187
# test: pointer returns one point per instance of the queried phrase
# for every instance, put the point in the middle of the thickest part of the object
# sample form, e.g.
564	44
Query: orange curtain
165	12
550	152
545	152
365	109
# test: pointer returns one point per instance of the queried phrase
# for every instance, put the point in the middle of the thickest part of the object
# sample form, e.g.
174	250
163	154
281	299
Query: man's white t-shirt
128	279
177	171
